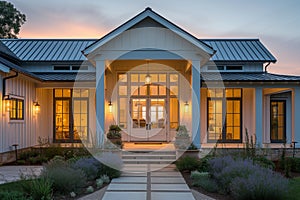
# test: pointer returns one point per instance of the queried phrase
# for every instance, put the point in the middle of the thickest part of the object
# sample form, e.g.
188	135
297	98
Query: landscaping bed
242	177
65	178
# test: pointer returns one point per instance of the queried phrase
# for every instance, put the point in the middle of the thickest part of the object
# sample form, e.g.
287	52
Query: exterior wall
24	133
148	38
45	126
248	104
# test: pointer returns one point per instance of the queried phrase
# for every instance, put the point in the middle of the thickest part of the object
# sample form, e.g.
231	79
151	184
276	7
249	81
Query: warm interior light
110	107
7	103
148	79
186	106
36	107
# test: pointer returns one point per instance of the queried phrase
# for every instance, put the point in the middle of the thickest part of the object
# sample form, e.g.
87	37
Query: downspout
267	67
4	83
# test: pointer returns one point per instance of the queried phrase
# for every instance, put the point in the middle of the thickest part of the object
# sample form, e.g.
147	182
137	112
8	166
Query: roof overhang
4	68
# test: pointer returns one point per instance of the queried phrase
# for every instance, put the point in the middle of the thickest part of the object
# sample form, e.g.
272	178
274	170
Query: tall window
278	120
224	115
17	109
71	114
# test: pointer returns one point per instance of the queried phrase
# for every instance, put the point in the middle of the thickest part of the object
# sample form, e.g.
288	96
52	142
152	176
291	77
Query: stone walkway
13	173
163	184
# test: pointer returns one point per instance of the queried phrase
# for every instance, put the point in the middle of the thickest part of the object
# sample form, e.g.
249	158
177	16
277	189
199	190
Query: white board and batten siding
21	132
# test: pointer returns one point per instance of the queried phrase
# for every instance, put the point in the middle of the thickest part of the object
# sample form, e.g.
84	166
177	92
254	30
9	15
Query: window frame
284	121
71	100
224	116
16	110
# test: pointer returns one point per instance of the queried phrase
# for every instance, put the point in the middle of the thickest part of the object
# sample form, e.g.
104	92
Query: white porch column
296	117
100	101
259	115
196	82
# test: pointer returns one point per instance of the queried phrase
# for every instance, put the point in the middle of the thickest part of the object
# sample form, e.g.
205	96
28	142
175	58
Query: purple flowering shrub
225	169
244	179
89	165
262	184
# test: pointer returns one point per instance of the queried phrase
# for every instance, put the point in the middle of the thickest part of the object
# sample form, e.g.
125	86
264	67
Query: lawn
294	189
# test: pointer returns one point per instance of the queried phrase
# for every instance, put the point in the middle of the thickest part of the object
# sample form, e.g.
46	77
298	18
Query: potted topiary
182	139
114	135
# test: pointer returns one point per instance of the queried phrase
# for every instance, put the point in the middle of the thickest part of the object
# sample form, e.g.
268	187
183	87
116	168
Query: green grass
13	186
294	189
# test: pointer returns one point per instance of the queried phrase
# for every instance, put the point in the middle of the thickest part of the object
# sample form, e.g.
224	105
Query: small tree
11	20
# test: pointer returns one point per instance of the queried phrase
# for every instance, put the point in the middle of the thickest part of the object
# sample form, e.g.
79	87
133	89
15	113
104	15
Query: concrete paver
124	195
130	180
126	187
14	173
171	195
170	187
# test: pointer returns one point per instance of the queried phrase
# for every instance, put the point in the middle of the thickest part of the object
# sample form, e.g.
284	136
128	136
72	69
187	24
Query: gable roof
149	13
39	50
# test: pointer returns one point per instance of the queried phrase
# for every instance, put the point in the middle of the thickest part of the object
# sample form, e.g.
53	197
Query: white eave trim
139	18
3	68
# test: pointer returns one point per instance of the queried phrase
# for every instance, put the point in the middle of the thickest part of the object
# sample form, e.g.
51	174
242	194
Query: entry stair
148	157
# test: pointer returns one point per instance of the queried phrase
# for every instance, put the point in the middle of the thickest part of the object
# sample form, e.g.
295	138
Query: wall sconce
110	106
36	106
186	106
7	102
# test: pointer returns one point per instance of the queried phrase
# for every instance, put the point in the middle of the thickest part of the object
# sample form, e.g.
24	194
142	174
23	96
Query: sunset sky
275	22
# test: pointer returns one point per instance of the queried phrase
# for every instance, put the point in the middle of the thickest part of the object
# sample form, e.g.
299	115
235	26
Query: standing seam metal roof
247	76
243	50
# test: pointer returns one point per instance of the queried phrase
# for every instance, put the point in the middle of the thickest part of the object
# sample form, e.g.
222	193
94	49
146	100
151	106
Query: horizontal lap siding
23	132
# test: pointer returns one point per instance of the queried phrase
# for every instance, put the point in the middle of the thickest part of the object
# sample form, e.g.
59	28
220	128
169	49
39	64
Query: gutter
267	67
4	83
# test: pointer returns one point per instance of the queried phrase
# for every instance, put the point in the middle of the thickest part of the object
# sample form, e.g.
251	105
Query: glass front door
70	115
148	117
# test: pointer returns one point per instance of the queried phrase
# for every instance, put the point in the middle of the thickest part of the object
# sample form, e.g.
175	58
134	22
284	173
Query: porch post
100	101
196	82
259	115
296	117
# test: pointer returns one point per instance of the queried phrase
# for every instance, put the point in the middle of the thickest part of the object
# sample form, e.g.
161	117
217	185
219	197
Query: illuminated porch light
148	79
110	107
7	103
186	106
36	107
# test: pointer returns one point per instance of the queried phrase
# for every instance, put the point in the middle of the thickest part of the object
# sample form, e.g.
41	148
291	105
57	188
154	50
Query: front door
70	115
148	116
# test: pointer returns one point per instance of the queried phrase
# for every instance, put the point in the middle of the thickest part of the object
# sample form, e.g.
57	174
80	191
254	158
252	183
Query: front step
148	157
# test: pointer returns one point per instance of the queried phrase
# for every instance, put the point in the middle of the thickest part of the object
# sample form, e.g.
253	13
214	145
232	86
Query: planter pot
182	142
